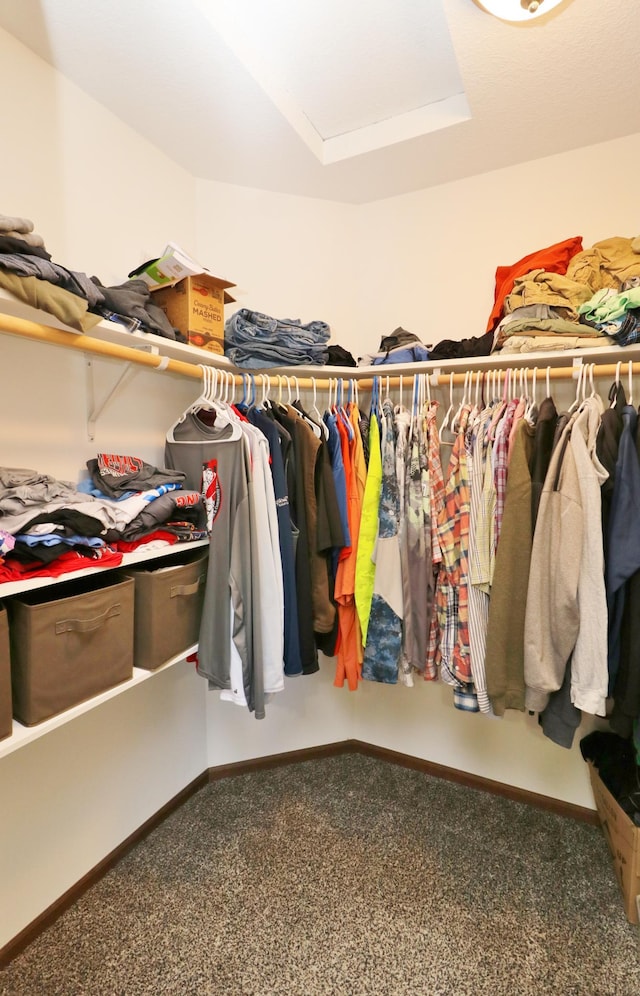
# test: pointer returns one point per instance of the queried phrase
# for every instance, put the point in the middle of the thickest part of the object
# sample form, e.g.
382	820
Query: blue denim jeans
255	341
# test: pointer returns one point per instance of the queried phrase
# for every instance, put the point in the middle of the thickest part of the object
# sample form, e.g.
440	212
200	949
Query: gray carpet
345	876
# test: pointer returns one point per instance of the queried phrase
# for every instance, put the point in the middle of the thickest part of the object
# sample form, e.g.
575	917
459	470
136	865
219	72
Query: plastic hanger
341	411
445	421
577	400
373	409
264	379
615	388
314	408
427	385
455	422
630	376
297	404
206	401
533	402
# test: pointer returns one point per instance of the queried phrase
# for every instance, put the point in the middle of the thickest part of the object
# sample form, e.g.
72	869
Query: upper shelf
111	332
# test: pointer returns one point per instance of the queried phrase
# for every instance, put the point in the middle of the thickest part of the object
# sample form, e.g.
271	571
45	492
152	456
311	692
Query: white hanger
445	421
572	407
314	408
528	412
206	401
548	382
617	385
463	402
507	386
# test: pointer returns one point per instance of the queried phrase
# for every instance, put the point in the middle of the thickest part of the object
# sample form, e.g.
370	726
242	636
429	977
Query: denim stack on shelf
255	341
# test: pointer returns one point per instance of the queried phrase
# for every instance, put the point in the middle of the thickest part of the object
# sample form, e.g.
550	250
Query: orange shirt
349	651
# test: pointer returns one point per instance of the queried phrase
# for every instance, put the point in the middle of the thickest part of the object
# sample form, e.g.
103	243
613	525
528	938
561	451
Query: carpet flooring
347	875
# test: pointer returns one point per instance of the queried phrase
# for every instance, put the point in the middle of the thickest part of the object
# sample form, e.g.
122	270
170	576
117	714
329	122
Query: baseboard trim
277	760
535	799
558	806
48	916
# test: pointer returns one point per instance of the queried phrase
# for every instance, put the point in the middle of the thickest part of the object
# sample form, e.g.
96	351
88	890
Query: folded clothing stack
398	347
22	230
255	341
29	273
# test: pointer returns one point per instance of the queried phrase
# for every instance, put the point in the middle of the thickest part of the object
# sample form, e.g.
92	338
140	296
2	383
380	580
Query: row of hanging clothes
535	553
469	548
274	478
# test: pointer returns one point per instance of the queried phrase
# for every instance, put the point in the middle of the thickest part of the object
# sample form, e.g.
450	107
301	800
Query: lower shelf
23	735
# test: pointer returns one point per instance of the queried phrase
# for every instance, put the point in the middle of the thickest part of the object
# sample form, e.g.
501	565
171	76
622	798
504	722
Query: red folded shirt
554	259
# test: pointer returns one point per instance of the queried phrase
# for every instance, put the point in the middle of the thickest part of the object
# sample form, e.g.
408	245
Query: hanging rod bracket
94	409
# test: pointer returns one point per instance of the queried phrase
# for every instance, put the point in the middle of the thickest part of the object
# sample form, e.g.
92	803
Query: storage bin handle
186	589
87	625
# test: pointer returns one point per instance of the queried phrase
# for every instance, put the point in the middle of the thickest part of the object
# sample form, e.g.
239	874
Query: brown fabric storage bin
168	603
67	649
6	711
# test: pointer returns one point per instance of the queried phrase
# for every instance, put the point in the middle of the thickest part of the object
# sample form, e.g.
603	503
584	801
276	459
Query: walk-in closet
340	758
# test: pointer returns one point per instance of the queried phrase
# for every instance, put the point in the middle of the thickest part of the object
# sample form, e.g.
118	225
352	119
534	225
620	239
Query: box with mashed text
195	306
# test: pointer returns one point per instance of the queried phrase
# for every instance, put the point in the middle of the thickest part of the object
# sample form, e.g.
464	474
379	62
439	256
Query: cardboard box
195	306
623	838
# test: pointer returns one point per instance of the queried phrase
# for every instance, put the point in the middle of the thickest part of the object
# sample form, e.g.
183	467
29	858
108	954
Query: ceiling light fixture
518	10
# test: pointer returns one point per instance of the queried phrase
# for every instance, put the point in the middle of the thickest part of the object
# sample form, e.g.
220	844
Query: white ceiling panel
349	64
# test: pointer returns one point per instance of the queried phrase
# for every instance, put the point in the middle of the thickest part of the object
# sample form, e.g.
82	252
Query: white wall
291	257
308	713
429	258
104	200
69	798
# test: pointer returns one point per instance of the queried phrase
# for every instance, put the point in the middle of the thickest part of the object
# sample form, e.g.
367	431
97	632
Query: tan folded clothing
9	224
552	343
67	307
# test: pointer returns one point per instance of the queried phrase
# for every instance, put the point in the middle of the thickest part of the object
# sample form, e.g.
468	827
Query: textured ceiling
353	100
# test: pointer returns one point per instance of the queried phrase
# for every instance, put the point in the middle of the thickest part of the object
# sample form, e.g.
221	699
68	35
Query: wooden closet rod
86	344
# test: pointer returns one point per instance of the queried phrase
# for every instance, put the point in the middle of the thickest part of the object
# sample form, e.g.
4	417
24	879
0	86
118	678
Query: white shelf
111	332
610	353
139	556
23	735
